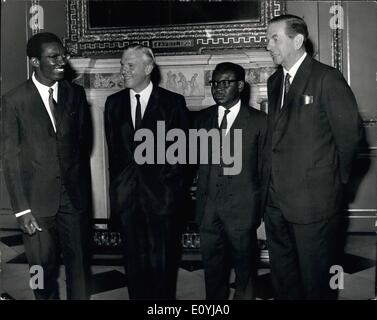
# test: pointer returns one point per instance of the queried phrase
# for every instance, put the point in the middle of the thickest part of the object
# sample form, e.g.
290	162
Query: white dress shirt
144	98
292	72
231	115
43	92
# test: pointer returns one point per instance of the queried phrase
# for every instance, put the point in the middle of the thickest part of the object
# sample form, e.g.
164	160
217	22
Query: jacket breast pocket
306	100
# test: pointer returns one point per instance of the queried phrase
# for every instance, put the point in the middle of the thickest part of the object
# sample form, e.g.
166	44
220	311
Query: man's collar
232	108
293	70
41	85
146	92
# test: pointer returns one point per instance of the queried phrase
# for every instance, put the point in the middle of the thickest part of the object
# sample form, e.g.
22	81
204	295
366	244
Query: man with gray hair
148	198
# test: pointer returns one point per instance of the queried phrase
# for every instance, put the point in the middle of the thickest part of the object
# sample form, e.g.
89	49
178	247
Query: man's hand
28	224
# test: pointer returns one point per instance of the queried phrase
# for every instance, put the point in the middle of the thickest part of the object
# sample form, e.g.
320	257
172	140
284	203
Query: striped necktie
286	87
53	105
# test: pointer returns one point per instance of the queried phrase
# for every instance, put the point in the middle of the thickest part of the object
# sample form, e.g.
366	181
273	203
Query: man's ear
241	85
148	69
34	62
299	40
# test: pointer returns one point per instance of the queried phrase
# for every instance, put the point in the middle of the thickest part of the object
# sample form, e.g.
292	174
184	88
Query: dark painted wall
15	31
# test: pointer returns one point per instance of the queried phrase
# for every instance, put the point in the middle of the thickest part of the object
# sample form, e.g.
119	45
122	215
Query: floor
109	282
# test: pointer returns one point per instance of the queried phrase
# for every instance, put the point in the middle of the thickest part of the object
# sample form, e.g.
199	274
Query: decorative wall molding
185	74
337	40
107	241
372	122
196	38
36	26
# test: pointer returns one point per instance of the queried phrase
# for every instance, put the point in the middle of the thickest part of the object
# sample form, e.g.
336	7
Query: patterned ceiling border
176	39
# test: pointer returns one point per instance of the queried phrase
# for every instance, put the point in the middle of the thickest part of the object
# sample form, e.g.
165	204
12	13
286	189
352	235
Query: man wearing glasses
46	145
227	206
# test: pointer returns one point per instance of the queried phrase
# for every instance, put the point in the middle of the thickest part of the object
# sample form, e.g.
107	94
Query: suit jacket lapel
292	102
126	104
297	87
35	101
211	122
275	101
242	118
64	103
242	121
150	108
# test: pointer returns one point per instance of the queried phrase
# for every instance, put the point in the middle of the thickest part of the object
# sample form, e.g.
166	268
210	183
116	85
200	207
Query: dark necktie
138	112
286	86
53	105
223	126
224	121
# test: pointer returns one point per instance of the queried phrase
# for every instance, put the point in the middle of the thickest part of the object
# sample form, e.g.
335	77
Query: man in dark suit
313	135
228	205
46	135
147	197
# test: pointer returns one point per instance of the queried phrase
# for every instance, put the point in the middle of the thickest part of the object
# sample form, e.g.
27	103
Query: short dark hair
294	25
34	45
238	71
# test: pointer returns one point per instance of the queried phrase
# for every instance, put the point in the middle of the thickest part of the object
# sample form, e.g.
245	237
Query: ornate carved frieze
84	40
187	75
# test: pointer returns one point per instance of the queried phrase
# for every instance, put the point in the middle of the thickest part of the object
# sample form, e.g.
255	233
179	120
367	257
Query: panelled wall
360	70
355	41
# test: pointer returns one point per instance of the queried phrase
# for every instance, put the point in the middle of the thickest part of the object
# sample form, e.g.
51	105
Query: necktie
286	86
53	105
138	112
224	121
223	126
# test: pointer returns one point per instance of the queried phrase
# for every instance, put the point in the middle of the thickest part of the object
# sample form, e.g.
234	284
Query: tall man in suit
228	205
46	135
313	135
148	197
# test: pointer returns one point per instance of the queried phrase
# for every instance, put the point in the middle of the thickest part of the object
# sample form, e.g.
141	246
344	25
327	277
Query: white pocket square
306	99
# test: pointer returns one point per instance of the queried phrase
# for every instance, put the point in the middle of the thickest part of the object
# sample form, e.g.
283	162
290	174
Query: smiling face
136	69
284	50
226	96
49	67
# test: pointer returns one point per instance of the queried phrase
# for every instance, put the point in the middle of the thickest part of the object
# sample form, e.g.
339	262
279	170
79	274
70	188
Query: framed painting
97	28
